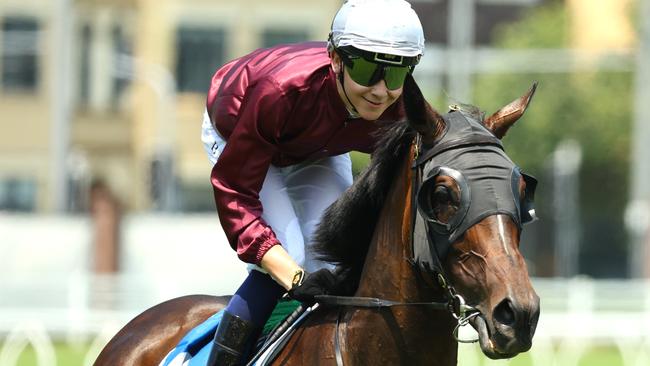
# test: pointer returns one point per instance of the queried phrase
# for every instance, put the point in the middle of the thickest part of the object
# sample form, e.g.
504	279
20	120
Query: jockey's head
374	44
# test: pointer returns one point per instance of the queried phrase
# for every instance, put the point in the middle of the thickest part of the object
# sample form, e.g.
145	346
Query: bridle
453	301
431	239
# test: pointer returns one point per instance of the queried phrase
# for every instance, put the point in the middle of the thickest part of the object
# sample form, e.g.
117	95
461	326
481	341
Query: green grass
66	355
470	355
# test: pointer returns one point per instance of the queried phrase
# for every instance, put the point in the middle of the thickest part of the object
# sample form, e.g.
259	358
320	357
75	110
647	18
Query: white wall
45	262
175	247
189	252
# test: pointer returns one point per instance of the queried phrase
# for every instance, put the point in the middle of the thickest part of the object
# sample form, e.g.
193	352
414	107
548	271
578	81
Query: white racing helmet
378	26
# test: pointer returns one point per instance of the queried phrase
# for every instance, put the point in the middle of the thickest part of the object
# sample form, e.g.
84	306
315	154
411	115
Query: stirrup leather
230	340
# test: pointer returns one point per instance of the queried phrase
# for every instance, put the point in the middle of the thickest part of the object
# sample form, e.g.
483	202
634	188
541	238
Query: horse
430	221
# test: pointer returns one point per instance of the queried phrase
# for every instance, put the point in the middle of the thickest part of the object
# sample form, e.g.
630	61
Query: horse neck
387	274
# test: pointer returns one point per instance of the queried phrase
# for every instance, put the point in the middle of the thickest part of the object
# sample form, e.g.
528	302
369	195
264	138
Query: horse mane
347	226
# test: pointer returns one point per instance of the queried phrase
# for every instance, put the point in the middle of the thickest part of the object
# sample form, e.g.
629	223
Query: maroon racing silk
276	106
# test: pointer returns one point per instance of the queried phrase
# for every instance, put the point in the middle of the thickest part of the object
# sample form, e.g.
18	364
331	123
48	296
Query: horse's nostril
504	313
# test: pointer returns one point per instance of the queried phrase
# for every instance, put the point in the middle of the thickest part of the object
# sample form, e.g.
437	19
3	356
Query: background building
114	90
133	74
136	74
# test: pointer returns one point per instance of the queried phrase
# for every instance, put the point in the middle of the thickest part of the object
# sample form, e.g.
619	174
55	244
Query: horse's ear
422	117
501	120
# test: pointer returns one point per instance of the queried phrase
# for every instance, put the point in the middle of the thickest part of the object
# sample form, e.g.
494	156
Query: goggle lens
395	76
367	73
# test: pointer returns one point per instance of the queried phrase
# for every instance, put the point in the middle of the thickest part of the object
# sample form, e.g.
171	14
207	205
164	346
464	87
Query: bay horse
430	220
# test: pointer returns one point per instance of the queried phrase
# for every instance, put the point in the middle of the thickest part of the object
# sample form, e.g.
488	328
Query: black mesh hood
489	183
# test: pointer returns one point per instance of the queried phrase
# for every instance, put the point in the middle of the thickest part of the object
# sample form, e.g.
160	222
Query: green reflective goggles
368	73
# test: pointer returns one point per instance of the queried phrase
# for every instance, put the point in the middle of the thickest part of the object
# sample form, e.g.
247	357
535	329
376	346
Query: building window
272	37
19	51
200	52
17	195
84	68
122	53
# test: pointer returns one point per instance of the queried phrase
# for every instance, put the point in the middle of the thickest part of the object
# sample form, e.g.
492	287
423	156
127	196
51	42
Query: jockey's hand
321	282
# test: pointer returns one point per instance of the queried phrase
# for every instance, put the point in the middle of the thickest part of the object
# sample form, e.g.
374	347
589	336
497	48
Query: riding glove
321	282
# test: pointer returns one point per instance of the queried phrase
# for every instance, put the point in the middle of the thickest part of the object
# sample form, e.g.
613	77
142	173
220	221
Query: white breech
294	197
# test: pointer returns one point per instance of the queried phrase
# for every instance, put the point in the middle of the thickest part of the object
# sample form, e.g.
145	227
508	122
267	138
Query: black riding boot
230	341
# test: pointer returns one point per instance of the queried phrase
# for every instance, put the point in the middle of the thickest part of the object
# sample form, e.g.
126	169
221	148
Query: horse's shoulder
193	302
185	309
162	325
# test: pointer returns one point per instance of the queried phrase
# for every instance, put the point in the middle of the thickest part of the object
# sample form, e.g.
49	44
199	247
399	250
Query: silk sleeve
239	173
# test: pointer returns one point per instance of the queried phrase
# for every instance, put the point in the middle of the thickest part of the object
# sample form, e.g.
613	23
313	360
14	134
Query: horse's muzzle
509	329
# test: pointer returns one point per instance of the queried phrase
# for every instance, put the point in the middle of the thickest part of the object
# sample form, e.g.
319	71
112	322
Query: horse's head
472	203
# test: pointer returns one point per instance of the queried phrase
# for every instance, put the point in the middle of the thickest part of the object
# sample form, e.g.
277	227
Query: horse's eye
444	201
441	195
522	188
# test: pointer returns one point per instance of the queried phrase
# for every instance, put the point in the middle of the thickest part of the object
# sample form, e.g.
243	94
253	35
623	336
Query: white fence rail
577	315
47	291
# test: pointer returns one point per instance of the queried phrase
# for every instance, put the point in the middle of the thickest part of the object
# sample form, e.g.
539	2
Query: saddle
194	348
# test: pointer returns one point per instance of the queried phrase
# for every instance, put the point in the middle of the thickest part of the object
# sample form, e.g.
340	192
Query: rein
373	302
456	305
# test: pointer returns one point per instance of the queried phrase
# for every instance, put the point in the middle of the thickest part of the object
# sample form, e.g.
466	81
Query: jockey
278	127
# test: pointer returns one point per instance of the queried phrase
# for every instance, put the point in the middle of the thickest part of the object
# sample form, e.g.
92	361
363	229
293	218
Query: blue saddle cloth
194	348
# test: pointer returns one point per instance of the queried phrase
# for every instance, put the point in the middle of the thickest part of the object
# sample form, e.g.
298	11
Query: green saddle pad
281	311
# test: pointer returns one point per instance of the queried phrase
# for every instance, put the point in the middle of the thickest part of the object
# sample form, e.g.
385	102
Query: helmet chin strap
353	113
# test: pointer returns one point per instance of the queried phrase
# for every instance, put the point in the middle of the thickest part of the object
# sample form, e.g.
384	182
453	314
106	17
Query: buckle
298	277
389	59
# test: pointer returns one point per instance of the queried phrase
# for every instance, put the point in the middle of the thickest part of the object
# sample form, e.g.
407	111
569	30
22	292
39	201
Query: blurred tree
593	108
